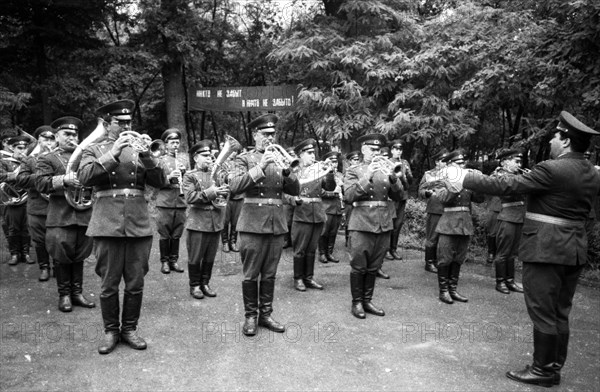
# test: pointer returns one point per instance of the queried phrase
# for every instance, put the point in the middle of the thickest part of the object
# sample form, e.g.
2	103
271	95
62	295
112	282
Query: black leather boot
173	266
43	259
430	259
250	294
381	274
329	252
561	356
165	251
206	272
368	295
491	245
542	372
25	245
323	250
14	243
110	317
266	294
443	277
63	281
132	305
233	241
357	289
309	272
225	239
77	297
510	277
453	283
195	278
501	276
299	274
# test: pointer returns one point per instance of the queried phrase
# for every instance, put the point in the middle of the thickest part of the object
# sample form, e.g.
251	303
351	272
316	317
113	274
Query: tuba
80	197
218	172
282	159
11	195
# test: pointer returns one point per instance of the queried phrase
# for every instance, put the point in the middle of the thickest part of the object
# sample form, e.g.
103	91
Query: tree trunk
172	74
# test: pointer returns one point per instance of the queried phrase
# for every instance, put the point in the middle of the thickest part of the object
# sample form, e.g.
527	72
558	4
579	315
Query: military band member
15	210
510	222
368	188
289	203
309	216
434	210
120	222
407	179
37	204
229	233
262	224
205	221
560	194
352	159
455	228
332	203
170	204
493	206
66	240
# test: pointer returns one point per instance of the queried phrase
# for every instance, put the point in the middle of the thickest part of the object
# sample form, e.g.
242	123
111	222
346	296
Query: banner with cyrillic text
235	99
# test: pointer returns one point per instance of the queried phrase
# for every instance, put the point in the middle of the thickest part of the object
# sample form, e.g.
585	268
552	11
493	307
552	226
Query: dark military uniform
37	211
203	225
66	240
120	225
434	210
309	218
352	159
232	214
400	207
560	194
170	208
332	205
15	215
494	206
261	226
370	227
510	221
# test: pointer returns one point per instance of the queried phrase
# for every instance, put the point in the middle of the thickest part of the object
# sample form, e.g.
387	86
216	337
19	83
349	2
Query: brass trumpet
316	171
138	143
385	165
157	148
282	159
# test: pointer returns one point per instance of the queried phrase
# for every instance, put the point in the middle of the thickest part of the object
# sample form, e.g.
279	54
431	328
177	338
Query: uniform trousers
332	224
202	246
68	244
37	229
367	250
492	224
397	223
16	220
122	257
507	240
260	255
305	238
431	236
452	249
170	222
549	291
232	214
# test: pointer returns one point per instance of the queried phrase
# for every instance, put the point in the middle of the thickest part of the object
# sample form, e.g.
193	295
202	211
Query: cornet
282	159
385	165
138	143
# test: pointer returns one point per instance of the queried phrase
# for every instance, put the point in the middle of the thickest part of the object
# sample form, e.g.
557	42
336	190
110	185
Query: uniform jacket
119	216
376	219
508	213
565	188
332	200
50	175
457	222
170	196
312	212
434	205
36	204
247	176
202	215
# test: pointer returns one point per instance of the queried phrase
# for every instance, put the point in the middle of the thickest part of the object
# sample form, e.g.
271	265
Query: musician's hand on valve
222	190
122	142
268	157
175	174
70	179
